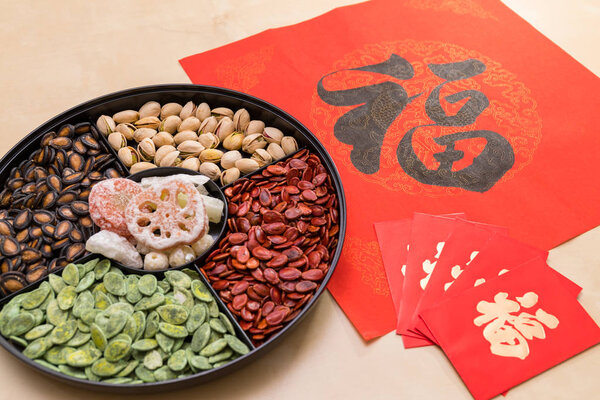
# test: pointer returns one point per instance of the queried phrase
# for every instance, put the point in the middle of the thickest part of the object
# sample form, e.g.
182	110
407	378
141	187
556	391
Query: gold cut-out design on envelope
365	258
507	332
429	265
457	270
243	73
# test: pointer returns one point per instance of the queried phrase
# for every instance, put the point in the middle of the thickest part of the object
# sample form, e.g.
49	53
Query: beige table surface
56	54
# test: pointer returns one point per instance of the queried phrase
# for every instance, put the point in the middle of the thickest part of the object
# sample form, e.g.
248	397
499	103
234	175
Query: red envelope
512	328
408	73
499	255
427	239
539	262
463	246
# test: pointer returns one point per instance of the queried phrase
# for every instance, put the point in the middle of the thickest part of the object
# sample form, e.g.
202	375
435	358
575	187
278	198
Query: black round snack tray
180	93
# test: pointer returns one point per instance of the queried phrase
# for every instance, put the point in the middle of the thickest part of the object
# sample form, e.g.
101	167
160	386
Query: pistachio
161	152
229	158
190	148
241	119
233	141
209	140
255	126
247	165
148	122
188	110
106	124
230	175
127	130
163	139
170	159
147	149
262	157
272	135
289	145
211	155
275	151
117	140
189	124
149	109
208	125
202	111
183	136
224	128
143	133
128	156
222	112
126	116
170	109
141	166
253	142
170	124
192	163
210	170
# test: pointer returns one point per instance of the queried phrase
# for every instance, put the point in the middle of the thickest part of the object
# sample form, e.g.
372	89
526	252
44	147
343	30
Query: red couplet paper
429	106
462	248
510	329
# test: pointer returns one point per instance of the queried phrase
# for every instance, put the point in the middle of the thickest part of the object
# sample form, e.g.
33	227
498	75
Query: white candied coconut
115	247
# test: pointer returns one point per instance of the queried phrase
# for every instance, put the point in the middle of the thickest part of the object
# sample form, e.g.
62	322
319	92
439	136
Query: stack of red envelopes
493	305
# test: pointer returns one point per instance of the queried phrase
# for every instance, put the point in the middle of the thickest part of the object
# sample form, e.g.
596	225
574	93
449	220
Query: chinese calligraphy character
428	265
364	127
457	270
508	333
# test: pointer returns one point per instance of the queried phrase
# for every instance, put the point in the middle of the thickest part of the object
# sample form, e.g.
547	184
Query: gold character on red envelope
507	332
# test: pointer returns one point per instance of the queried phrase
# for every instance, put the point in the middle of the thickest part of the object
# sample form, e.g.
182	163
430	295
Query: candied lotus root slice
168	216
108	200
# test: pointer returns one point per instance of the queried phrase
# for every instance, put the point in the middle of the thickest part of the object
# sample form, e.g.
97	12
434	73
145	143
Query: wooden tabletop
58	54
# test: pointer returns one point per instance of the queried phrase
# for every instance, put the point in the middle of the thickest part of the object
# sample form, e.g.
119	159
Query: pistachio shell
209	140
149	109
127	130
224	128
146	149
190	148
210	170
143	133
147	122
229	158
211	155
275	151
222	112
170	109
202	111
208	125
233	141
255	126
188	110
170	124
253	142
117	140
141	166
162	152
126	116
230	175
262	157
192	163
163	139
170	159
289	145
241	119
272	135
182	136
106	124
189	124
247	165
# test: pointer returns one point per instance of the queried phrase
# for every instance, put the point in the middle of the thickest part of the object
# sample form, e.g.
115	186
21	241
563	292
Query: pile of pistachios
217	142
